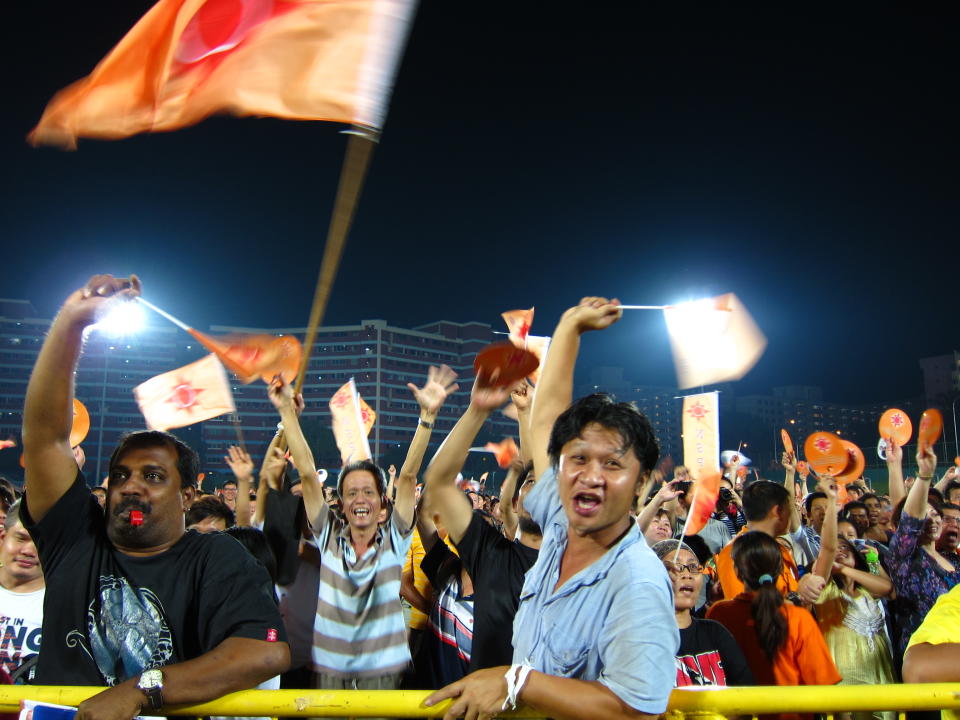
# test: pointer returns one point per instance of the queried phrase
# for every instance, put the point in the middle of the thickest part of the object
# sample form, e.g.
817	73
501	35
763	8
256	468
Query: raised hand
789	461
440	385
894	453
86	305
926	462
593	313
239	462
487	397
522	395
281	395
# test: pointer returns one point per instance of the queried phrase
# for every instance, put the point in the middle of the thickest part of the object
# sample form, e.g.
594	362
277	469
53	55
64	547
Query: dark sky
806	160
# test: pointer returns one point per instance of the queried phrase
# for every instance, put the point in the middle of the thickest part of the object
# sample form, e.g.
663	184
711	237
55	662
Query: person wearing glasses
708	654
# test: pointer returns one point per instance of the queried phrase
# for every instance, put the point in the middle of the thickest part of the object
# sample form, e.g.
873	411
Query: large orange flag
187	59
198	391
352	420
255	356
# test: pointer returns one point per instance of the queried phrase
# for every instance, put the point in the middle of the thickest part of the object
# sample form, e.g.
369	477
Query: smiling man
159	614
359	634
594	635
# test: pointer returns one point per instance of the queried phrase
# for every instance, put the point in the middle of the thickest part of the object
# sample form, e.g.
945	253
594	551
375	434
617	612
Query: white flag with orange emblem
352	420
196	392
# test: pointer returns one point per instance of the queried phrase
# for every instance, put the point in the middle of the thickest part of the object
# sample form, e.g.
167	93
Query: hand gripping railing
699	703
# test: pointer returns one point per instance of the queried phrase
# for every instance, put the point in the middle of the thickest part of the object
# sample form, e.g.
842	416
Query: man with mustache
159	614
950	536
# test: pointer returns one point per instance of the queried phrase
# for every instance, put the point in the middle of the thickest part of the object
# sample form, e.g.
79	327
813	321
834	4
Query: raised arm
916	504
823	565
554	392
522	396
950	474
789	462
895	472
274	461
50	467
282	397
507	512
666	493
239	462
440	384
441	476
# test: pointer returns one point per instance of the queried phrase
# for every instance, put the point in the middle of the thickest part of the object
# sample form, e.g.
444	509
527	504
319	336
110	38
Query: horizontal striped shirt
359	631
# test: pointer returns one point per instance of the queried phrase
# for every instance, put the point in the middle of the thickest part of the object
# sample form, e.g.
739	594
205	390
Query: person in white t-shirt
21	594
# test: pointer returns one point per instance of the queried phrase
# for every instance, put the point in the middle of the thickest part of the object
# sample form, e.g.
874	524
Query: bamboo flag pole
352	174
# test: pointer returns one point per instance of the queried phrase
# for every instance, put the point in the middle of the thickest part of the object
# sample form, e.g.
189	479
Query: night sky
807	161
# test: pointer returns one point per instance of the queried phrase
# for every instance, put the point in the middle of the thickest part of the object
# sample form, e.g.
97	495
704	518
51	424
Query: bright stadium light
122	319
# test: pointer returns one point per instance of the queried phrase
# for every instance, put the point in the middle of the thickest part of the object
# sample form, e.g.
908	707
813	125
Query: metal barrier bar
699	702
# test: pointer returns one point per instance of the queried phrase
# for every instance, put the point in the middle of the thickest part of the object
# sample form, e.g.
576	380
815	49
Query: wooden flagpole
352	174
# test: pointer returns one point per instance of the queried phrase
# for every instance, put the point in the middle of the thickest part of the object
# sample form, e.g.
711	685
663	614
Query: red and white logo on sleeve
271	635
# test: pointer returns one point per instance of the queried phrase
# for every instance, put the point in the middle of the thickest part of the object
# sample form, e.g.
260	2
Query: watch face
151	679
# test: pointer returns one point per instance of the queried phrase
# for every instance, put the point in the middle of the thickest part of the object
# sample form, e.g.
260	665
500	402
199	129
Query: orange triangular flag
504	451
198	391
187	59
518	322
704	494
255	356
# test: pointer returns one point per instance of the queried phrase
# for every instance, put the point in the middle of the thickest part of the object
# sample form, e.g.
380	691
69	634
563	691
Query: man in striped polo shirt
359	634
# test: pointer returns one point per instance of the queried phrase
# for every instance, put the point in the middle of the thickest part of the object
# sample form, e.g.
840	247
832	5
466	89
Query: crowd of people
574	592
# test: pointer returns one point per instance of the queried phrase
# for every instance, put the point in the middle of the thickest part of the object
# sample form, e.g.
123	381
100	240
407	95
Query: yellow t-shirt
415	555
941	625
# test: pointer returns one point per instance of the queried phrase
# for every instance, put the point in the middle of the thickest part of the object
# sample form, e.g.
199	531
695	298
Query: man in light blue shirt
595	634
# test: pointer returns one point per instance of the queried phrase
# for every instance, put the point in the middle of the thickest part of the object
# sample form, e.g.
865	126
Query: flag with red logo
519	323
196	392
187	59
255	356
352	420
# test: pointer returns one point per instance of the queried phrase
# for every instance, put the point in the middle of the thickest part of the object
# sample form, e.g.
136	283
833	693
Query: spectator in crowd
596	613
203	625
714	532
857	513
807	537
100	495
848	610
209	514
950	535
729	507
781	641
448	642
919	572
768	508
708	654
496	564
361	560
21	594
659	528
228	493
846	529
933	653
876	530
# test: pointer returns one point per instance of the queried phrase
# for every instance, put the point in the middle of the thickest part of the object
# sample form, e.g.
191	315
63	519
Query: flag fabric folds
255	356
713	340
352	420
504	451
187	59
198	391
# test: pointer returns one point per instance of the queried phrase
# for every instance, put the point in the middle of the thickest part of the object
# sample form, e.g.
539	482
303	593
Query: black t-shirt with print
497	567
108	616
709	655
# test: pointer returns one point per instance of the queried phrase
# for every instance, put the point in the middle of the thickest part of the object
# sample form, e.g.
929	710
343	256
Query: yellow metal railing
701	703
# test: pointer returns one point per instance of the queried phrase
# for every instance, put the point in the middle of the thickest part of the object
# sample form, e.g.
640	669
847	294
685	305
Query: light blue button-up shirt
613	621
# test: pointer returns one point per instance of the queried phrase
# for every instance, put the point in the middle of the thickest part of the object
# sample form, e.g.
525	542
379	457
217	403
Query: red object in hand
136	517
